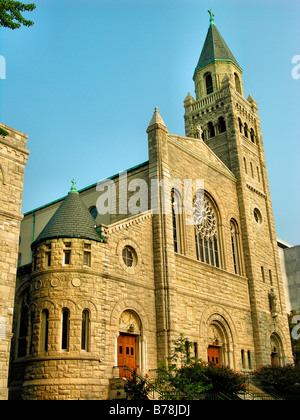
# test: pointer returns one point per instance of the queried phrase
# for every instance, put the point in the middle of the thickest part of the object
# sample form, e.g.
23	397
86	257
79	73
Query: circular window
129	256
257	216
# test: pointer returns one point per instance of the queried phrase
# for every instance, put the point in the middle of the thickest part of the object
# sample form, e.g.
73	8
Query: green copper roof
215	48
71	220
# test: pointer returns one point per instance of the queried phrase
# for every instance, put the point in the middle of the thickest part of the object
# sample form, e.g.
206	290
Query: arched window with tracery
206	231
176	219
235	246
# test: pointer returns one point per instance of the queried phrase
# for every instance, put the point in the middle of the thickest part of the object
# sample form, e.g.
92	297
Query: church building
96	292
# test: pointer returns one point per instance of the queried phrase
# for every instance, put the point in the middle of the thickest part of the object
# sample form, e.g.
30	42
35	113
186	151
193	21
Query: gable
199	150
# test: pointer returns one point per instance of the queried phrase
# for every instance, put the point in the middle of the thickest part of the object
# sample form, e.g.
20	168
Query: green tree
176	375
11	14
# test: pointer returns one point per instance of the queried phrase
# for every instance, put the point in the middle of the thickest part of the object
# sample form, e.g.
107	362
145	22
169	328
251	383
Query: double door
213	355
126	353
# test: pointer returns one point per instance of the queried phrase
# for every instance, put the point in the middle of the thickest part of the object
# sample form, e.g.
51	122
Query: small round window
129	256
257	216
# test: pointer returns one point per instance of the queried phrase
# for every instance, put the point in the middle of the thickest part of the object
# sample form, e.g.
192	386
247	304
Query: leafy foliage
224	379
3	132
181	377
283	380
11	14
188	378
136	388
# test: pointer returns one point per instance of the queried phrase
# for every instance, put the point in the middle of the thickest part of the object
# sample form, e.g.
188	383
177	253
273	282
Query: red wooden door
213	355
126	353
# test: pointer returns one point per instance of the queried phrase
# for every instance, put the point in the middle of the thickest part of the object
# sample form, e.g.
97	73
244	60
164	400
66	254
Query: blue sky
83	83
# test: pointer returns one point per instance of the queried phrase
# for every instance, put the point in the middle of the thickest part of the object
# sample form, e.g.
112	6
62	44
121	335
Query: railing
177	394
154	393
129	373
182	394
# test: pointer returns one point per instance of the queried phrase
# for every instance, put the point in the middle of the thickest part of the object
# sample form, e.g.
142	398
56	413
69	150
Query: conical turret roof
215	48
71	220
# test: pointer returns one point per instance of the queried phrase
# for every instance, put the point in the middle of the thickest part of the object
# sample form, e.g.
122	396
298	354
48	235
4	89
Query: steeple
216	61
215	48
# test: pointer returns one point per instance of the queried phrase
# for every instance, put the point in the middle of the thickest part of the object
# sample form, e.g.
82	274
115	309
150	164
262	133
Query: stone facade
289	256
13	158
154	275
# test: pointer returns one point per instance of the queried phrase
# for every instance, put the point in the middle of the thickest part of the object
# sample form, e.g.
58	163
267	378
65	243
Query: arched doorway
219	342
128	342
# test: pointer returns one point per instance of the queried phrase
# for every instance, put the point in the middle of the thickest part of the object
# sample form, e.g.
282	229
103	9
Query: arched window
206	231
85	330
23	330
245	165
249	360
243	358
176	219
221	125
251	167
252	135
209	84
241	126
235	246
44	330
237	83
246	130
65	329
211	130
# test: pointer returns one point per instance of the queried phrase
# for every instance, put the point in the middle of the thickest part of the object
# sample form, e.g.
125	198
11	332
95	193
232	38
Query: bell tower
229	124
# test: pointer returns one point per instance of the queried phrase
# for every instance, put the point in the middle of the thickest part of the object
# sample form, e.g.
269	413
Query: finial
212	22
73	188
156	119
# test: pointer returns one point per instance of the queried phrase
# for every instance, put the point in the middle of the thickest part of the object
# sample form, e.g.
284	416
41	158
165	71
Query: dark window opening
211	130
209	84
222	125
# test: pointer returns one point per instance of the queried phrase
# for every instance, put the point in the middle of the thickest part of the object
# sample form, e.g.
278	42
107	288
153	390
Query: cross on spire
73	188
211	16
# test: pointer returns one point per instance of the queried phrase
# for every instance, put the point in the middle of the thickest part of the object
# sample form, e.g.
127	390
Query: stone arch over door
217	332
128	319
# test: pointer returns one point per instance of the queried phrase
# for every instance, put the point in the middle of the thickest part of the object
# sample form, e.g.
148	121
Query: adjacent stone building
13	158
289	256
97	292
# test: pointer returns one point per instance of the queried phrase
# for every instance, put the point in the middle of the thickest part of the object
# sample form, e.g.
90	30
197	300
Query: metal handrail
179	393
163	394
134	372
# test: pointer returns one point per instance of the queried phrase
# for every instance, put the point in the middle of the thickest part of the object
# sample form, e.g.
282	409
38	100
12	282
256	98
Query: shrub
224	379
284	380
136	388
